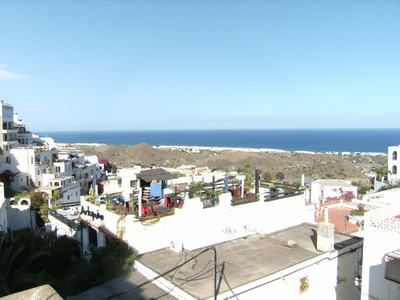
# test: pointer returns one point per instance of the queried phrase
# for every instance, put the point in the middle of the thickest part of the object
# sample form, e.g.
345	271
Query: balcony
9	143
392	266
8	131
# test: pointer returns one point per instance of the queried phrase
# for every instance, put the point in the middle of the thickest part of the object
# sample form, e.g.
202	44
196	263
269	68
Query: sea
315	140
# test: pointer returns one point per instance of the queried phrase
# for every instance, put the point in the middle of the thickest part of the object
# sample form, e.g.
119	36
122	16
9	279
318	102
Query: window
394	156
92	237
392	266
394	169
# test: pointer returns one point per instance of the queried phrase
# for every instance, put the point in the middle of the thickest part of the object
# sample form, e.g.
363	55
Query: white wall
23	160
20	217
3	210
321	190
381	236
196	227
330	277
393	178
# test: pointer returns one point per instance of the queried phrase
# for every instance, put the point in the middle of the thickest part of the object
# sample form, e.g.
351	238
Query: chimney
325	234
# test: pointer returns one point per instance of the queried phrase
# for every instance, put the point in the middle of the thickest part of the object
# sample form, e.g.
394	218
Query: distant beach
299	140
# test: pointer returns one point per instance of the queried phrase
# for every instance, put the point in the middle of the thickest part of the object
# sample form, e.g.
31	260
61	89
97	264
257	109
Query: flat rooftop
243	260
334	182
125	283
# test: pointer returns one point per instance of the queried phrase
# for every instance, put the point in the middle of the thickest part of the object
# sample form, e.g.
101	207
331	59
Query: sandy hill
292	164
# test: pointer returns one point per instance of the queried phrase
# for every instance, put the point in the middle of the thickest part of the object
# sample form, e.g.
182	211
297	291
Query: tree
248	173
38	199
16	269
267	176
92	195
280	176
381	172
39	203
56	195
114	168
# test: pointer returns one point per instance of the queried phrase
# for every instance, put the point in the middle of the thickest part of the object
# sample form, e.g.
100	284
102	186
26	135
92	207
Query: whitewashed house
394	164
329	190
381	259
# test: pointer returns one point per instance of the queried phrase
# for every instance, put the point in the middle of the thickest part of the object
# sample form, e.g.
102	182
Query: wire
230	288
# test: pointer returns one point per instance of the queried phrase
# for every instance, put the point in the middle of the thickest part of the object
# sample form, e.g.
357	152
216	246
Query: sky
207	64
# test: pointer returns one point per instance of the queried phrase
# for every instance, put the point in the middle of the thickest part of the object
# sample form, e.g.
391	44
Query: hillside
292	164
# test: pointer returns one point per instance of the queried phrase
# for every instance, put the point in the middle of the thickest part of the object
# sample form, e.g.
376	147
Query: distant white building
394	164
328	190
14	134
33	163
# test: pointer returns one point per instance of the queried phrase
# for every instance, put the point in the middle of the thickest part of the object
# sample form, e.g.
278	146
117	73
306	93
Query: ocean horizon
315	140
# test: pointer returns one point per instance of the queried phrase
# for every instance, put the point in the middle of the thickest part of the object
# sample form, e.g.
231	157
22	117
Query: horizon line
214	129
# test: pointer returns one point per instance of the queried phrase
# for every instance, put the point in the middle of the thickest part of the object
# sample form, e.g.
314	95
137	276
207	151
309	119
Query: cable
227	283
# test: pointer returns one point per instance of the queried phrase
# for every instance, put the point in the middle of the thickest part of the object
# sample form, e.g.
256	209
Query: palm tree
15	268
381	172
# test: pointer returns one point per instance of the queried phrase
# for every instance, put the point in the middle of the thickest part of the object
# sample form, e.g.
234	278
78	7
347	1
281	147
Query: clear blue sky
98	65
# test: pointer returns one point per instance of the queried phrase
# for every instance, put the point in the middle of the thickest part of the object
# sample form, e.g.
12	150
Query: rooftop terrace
243	260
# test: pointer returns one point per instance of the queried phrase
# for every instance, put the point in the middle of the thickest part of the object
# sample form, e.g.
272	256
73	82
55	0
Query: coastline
196	149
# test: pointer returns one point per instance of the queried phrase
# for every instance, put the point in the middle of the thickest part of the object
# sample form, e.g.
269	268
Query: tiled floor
337	217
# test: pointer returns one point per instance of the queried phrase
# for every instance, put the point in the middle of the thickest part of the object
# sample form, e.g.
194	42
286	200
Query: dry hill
291	164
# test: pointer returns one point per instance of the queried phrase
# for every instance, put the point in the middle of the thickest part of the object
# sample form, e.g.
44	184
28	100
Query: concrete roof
61	178
48	188
120	284
305	236
244	260
40	292
333	182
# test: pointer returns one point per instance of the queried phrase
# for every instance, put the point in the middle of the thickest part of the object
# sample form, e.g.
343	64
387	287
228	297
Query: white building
35	162
14	134
328	190
394	164
381	258
283	265
8	138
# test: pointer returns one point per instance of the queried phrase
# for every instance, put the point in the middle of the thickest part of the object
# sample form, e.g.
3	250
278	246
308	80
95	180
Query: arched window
394	156
56	183
394	170
24	202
